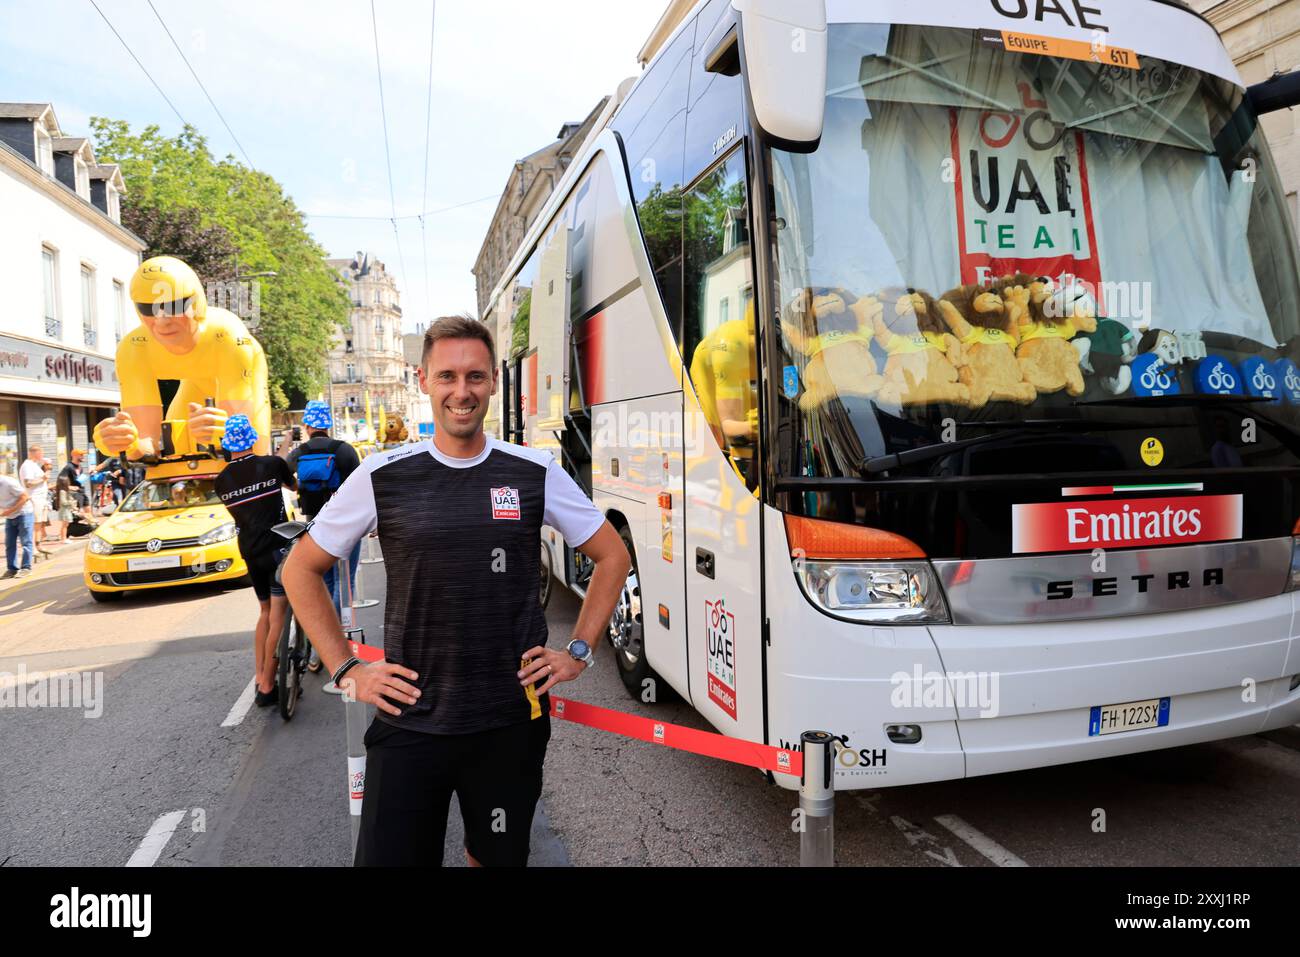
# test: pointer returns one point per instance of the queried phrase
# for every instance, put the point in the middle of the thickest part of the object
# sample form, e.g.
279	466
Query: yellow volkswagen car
171	530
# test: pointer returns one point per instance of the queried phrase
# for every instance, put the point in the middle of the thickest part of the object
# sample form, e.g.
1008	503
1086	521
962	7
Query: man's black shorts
410	777
261	569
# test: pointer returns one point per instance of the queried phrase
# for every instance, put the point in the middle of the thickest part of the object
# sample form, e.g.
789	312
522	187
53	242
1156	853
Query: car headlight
905	593
99	547
222	533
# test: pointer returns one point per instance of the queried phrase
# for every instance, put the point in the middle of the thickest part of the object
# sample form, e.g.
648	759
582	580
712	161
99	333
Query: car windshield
159	494
987	238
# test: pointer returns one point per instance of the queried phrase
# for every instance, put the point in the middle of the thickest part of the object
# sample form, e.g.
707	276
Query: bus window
718	329
652	125
715	120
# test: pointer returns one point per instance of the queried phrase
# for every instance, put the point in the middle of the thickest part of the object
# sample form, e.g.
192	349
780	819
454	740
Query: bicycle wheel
289	675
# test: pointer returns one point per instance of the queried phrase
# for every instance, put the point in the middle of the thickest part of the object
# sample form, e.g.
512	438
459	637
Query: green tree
175	184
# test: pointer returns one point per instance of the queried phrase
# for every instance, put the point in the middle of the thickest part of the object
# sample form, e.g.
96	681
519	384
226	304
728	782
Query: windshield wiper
926	453
1174	401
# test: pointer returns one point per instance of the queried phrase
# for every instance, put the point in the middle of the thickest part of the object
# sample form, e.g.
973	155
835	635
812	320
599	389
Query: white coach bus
937	360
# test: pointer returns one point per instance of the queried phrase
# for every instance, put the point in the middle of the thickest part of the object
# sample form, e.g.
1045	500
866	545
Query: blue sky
297	83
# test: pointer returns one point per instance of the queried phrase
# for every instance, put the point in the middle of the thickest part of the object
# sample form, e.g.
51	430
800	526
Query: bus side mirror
1275	94
783	51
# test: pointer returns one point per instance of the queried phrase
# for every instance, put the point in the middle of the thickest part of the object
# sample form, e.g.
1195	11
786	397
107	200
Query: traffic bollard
354	711
373	555
355	714
817	800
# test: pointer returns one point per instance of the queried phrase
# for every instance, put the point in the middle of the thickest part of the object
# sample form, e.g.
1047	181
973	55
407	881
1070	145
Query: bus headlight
98	546
888	593
222	533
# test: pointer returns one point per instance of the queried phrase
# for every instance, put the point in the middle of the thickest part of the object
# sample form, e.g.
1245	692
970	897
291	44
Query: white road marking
152	846
241	705
990	848
918	835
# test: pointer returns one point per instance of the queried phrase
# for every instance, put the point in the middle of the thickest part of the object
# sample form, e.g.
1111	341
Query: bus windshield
989	240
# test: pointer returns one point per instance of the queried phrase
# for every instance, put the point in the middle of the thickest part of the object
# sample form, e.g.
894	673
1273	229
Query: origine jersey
461	540
250	490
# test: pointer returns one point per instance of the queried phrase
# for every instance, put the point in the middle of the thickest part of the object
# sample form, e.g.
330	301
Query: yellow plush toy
923	360
836	340
395	430
979	318
1048	319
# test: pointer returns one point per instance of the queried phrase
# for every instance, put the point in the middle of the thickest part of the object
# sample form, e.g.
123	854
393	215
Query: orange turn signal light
820	540
665	499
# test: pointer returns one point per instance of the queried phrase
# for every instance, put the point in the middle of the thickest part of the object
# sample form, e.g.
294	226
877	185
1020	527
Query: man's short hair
32	449
457	327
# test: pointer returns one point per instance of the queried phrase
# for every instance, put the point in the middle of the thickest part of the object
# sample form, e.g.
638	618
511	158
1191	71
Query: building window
89	325
81	176
119	303
352	372
44	152
50	264
347	346
114	203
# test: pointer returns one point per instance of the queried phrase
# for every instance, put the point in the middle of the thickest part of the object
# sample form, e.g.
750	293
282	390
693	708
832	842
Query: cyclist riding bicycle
250	488
322	464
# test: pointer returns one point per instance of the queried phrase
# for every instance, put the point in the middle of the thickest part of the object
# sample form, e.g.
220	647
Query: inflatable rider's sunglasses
176	307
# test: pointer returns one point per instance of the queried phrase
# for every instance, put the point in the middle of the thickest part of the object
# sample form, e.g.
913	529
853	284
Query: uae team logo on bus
505	503
720	637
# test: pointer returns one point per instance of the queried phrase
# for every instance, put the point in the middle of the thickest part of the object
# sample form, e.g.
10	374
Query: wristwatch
579	650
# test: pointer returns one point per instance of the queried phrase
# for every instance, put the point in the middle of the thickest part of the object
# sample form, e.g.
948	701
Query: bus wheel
627	631
547	576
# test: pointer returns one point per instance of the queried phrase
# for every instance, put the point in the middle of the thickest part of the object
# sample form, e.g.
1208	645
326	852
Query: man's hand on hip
554	666
378	682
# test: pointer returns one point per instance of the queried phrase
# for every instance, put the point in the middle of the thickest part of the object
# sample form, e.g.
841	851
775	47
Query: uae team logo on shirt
505	503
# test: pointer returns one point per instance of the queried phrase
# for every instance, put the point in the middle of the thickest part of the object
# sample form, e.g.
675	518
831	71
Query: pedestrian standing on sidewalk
30	473
16	508
41	512
462	695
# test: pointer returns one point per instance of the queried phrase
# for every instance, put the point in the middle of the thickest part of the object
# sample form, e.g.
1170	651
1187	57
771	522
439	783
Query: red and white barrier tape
706	743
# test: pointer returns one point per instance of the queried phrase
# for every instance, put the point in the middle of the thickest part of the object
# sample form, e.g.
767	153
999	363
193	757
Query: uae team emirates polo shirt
461	540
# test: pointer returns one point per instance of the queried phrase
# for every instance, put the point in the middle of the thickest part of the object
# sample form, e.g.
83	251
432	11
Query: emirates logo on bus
505	503
1135	523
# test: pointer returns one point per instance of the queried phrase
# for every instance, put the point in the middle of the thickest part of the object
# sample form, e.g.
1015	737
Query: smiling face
459	377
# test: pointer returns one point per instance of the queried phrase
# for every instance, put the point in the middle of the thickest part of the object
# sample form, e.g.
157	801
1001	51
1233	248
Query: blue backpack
318	472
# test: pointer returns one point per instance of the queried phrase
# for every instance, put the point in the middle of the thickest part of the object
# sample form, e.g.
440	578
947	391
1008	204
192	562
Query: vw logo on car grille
154	544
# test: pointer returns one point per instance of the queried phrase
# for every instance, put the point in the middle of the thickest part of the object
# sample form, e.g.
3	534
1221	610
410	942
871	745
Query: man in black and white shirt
462	692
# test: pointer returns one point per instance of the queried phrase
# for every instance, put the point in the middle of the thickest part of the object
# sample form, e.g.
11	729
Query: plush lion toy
924	359
1048	319
395	430
979	317
837	343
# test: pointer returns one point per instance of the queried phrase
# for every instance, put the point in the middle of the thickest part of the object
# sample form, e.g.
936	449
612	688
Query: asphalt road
88	785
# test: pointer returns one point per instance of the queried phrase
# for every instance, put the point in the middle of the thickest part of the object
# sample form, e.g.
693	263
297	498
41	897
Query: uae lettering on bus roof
1131	523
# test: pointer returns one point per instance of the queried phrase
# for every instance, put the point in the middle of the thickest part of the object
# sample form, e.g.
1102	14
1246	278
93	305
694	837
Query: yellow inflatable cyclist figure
724	373
209	350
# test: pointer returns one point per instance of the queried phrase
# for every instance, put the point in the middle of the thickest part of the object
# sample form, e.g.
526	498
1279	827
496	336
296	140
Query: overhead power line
200	83
128	49
426	213
388	152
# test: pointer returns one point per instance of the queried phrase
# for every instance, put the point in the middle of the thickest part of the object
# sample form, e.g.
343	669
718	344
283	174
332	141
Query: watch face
579	649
